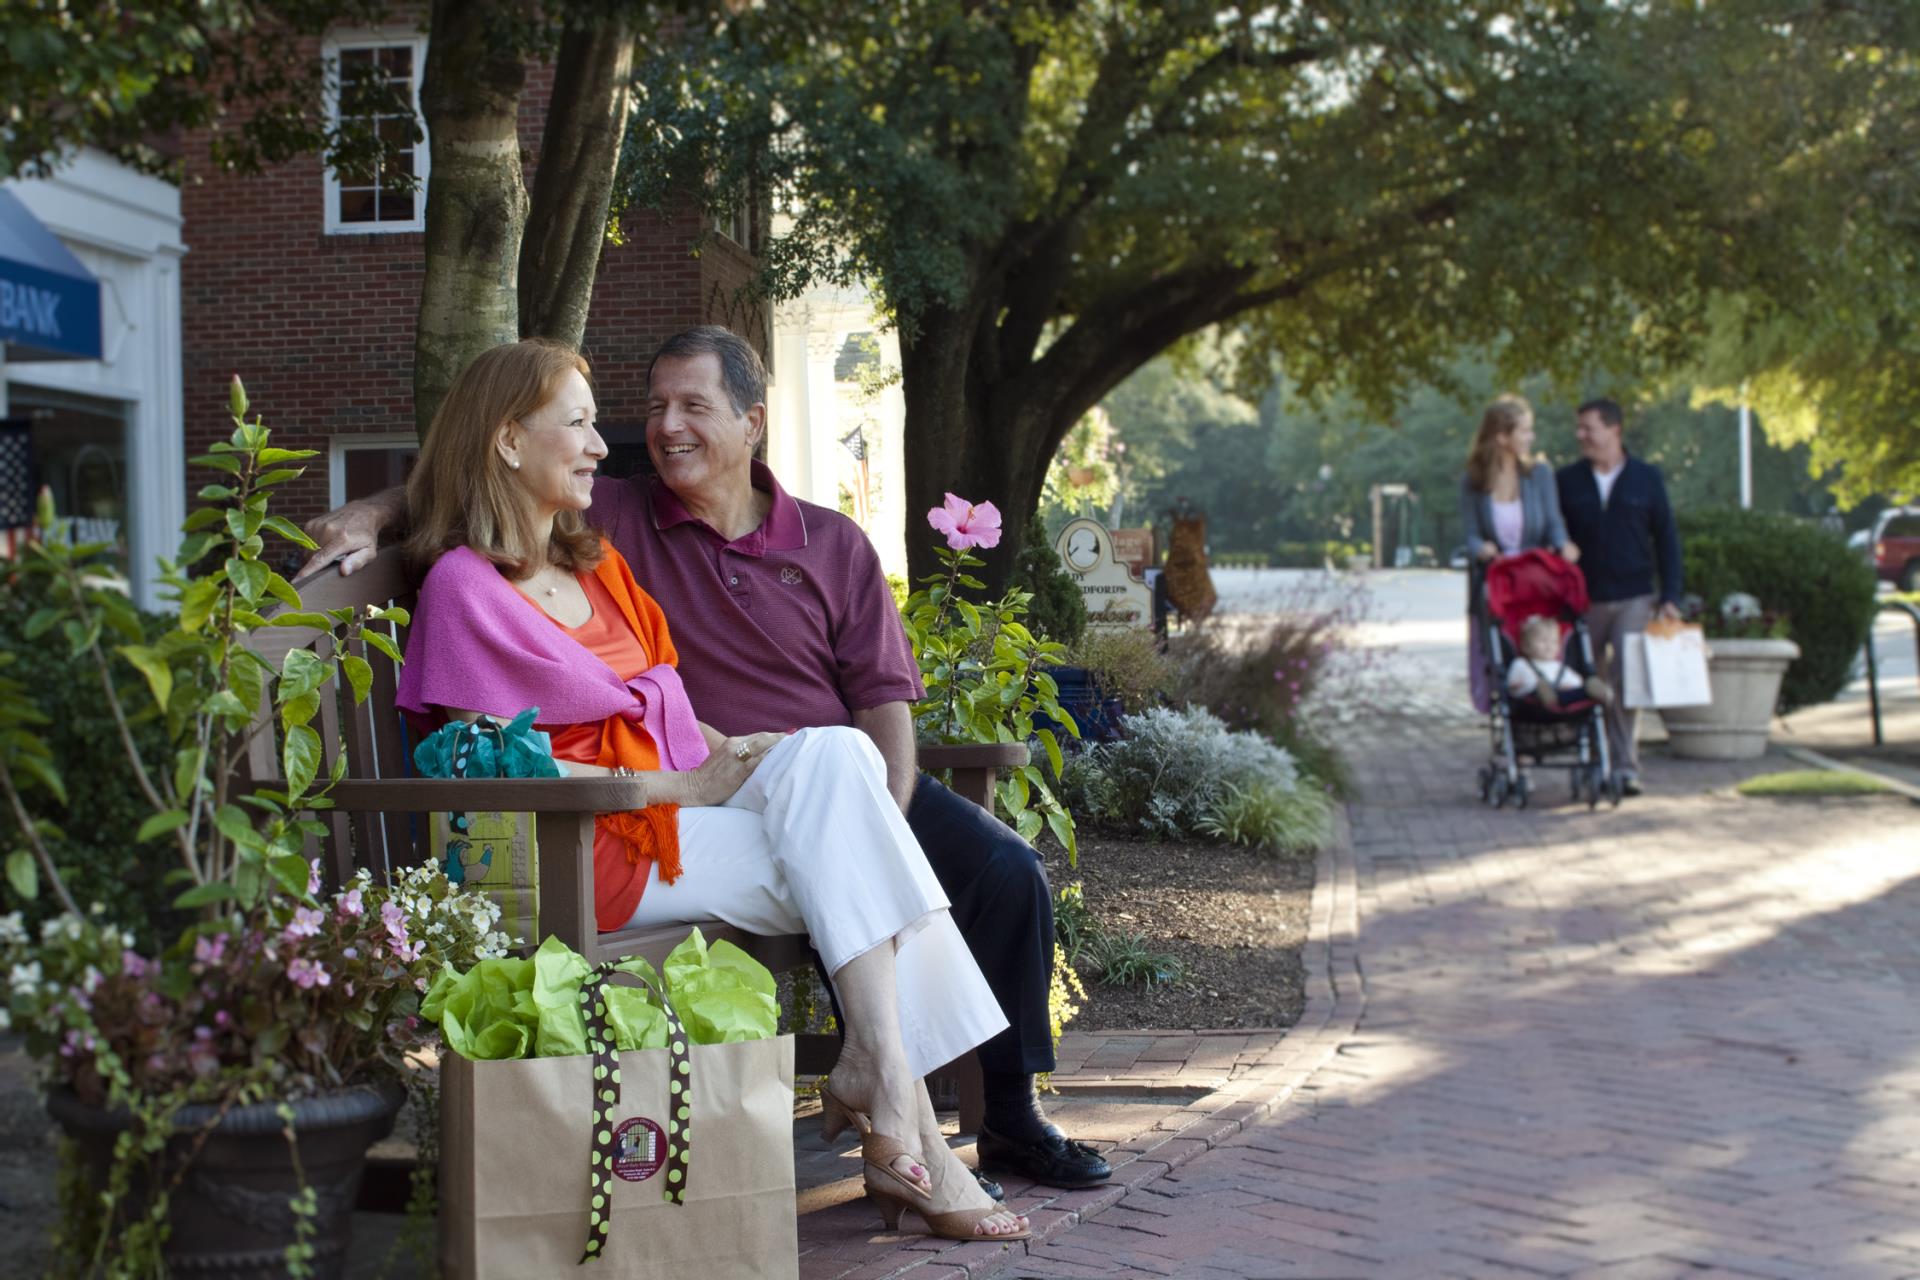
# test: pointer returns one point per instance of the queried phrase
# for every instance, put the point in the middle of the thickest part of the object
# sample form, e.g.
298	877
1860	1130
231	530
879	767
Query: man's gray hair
740	365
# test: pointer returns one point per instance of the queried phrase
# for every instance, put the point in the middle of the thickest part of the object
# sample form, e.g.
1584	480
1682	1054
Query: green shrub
1073	923
1283	819
1127	665
1058	611
1125	960
95	850
1166	776
1797	569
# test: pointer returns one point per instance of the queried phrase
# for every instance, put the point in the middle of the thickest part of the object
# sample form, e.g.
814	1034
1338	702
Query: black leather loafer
1055	1160
994	1190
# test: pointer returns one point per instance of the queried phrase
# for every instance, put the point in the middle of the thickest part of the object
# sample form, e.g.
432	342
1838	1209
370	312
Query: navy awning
49	303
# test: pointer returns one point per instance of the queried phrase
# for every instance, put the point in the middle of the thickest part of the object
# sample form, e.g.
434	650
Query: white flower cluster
460	921
13	929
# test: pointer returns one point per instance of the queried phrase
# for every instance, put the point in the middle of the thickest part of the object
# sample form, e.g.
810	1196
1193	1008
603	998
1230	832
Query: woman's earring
514	463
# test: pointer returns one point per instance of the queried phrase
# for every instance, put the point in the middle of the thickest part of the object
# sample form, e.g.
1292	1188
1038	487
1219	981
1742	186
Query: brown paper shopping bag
518	1139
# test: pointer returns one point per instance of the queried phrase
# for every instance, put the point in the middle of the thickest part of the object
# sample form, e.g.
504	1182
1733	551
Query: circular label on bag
639	1149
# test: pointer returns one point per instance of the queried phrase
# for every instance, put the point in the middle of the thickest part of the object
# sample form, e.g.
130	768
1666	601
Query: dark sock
1012	1109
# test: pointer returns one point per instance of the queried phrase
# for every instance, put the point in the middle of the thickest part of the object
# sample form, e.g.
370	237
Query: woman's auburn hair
1502	419
463	494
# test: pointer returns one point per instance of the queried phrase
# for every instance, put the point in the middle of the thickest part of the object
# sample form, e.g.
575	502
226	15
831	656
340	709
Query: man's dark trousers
1003	908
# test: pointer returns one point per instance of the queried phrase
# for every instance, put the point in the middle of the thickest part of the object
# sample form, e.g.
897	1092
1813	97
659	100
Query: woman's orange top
628	632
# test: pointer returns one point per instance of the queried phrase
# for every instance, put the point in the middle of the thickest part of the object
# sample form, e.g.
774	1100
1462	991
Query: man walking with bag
1617	513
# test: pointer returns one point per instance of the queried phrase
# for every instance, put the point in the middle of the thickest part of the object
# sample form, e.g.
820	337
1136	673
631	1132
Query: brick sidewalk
1678	1039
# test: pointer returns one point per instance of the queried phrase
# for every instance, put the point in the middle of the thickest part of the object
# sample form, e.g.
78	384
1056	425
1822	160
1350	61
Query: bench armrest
510	795
973	755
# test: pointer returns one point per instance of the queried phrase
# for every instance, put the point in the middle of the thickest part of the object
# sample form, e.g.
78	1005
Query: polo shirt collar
784	529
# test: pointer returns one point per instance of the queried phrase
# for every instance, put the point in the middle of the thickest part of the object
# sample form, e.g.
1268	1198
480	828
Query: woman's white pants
814	843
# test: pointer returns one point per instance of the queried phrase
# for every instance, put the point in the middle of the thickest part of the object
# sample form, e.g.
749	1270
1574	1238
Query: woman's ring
741	752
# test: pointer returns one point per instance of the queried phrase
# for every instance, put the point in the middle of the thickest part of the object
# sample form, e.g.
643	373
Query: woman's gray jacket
1540	510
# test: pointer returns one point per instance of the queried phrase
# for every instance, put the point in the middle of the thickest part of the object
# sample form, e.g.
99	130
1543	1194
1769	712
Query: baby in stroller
1538	673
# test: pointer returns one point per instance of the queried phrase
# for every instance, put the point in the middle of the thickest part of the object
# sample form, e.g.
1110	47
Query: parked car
1896	547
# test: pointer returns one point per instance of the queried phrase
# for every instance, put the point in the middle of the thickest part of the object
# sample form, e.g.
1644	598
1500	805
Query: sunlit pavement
1676	1039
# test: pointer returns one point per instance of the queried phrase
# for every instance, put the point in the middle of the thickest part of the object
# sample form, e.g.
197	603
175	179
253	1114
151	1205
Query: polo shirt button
734	581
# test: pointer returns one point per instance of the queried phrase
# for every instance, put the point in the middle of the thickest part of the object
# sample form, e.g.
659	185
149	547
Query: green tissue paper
519	1008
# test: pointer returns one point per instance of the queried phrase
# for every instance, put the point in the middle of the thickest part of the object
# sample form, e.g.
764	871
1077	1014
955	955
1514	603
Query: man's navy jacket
1623	542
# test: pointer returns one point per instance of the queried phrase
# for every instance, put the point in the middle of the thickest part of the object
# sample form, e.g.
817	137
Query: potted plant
219	1093
1748	653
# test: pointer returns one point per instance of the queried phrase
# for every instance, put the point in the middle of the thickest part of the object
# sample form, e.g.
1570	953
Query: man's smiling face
700	444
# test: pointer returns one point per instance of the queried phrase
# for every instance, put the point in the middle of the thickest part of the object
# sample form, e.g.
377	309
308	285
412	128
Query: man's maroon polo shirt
789	626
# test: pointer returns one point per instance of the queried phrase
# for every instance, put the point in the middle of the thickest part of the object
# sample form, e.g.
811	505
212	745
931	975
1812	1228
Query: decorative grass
1812	782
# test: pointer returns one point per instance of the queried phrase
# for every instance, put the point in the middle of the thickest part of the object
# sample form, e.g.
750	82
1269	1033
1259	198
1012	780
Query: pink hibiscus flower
965	524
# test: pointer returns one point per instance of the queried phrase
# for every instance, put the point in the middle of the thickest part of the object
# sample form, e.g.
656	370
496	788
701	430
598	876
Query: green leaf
203	895
249	577
279	475
359	674
41	621
1060	822
301	758
226	703
235	825
300	710
40	770
383	643
201	518
196	603
300	672
395	615
290	531
219	462
247	681
290	870
160	824
1028	824
270	456
301	618
214	493
153	666
186	771
1052	744
282	590
23	875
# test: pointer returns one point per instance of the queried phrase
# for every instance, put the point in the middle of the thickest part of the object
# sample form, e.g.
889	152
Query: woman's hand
1487	552
1570	553
724	770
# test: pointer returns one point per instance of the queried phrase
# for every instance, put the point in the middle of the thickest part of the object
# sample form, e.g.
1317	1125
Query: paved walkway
1679	1039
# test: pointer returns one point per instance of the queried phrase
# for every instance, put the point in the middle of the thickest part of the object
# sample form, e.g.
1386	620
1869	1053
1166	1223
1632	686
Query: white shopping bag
1666	666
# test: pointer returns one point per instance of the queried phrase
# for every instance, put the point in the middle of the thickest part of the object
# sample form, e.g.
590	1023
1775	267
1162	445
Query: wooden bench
383	816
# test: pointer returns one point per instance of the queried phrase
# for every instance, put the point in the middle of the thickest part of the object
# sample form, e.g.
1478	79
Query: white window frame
330	50
340	446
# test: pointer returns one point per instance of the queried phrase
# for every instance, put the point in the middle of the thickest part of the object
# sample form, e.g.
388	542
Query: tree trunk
962	439
573	182
476	199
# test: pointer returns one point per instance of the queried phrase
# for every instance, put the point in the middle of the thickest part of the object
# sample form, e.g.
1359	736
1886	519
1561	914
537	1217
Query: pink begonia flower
407	952
395	919
350	904
306	922
209	950
313	877
133	964
308	973
965	524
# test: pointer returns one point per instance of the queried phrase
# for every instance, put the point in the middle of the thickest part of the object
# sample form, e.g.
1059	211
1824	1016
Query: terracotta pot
229	1215
1746	677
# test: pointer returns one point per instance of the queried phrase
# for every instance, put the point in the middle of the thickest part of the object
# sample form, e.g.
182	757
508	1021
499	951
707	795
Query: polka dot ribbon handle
606	1096
462	762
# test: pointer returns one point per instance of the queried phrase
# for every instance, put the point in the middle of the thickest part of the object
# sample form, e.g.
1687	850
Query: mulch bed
1235	919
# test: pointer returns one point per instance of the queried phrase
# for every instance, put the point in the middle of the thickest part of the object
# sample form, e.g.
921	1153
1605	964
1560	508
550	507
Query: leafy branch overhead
1046	195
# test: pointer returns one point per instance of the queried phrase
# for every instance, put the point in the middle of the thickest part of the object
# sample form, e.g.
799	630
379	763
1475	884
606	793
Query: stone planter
228	1215
1746	678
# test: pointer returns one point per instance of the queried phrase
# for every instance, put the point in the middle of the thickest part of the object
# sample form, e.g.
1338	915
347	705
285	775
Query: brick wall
320	327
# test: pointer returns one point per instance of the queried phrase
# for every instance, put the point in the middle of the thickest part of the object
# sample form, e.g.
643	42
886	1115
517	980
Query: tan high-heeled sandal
955	1224
877	1150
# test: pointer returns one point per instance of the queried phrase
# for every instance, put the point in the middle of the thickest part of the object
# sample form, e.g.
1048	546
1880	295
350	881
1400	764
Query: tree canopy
1046	194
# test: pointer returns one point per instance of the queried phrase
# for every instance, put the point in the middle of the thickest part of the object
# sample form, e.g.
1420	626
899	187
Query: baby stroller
1573	734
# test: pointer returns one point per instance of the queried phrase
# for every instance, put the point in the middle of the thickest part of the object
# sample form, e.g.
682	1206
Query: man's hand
1570	553
1668	612
351	535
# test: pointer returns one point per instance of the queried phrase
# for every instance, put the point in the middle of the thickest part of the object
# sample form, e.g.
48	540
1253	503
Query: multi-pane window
376	88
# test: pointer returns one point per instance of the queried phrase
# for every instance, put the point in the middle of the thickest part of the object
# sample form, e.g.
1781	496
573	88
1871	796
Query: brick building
309	292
